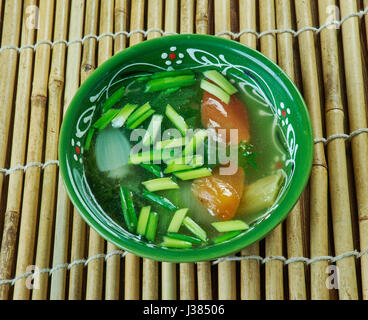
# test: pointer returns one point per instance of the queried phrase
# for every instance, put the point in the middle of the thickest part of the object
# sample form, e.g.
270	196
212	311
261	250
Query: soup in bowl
186	148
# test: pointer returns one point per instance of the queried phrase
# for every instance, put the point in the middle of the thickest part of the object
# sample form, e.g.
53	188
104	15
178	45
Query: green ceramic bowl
271	87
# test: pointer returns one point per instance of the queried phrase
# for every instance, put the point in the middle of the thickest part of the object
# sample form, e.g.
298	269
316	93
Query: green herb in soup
180	160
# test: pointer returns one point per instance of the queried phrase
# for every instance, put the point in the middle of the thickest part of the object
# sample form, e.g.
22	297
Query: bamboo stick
168	270
357	107
297	286
187	282
8	62
18	152
35	148
336	154
365	6
89	48
150	280
155	16
1	16
63	208
132	262
136	21
56	86
248	21
121	21
171	16
186	16
168	281
274	283
96	242
250	276
71	86
202	17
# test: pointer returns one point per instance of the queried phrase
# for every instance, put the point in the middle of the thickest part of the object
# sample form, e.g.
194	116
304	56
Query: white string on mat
29	165
122	254
67	266
295	33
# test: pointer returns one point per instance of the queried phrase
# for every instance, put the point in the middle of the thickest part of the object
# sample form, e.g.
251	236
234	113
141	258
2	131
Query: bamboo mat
49	47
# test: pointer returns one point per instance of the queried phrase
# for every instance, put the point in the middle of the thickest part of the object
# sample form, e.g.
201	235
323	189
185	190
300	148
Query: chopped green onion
221	81
172	73
149	156
140	120
171	90
197	140
216	91
171	143
176	119
143	220
226	237
153	168
193	174
184	237
171	82
195	229
114	99
153	130
89	137
177	220
138	113
160	184
123	115
105	119
161	201
175	243
152	226
130	216
232	225
179	165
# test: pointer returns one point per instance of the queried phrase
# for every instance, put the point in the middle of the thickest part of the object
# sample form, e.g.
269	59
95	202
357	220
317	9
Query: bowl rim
208	252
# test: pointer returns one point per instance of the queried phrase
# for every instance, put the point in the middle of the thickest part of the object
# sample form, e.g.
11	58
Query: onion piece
112	153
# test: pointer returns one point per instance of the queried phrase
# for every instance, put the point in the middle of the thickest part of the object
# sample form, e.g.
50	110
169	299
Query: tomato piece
220	194
218	115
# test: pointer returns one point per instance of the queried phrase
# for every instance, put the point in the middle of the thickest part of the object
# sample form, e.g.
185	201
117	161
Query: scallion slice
226	237
143	220
177	220
160	184
172	143
221	81
195	229
114	99
231	225
215	90
186	238
89	137
176	119
130	216
197	140
138	113
152	226
193	174
161	201
140	120
123	115
175	243
105	119
153	130
170	82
